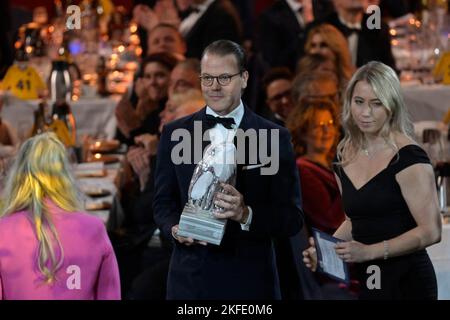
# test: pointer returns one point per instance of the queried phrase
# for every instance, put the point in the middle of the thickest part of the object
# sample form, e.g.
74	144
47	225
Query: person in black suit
258	208
281	34
281	30
208	21
365	44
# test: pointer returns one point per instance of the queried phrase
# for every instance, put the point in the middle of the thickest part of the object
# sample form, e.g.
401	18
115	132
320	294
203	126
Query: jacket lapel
200	21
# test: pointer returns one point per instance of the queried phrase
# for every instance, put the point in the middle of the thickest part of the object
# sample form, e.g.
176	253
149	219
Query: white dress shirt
219	134
295	7
352	39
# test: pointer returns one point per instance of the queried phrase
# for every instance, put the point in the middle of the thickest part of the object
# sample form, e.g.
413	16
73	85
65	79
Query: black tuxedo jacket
220	21
243	266
280	38
372	44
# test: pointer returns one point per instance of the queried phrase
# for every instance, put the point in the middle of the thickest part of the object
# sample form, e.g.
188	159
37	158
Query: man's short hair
163	58
166	25
226	47
276	74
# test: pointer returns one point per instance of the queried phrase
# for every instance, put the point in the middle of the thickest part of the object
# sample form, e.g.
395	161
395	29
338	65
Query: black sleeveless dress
379	212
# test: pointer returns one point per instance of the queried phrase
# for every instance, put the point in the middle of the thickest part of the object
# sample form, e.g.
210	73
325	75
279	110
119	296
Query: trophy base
198	224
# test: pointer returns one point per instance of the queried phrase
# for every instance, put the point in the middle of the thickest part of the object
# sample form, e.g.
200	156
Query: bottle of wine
102	73
63	123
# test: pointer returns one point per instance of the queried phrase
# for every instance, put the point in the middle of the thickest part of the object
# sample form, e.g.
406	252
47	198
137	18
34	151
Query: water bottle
60	83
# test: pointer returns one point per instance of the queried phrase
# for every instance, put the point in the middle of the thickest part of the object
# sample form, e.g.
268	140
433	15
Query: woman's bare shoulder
402	140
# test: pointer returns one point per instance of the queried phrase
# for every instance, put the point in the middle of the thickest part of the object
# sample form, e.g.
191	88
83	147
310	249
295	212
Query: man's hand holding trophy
212	198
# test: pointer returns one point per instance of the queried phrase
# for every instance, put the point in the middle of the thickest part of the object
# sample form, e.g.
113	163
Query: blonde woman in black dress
388	191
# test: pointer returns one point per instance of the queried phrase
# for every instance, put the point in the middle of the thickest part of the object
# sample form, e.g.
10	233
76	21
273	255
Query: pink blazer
89	271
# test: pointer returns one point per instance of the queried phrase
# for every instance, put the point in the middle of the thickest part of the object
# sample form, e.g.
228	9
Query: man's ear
245	77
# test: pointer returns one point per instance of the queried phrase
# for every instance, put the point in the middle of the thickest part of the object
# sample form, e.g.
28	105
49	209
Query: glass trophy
197	220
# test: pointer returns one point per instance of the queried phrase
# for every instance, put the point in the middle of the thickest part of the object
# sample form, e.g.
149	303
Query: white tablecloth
93	116
427	102
440	256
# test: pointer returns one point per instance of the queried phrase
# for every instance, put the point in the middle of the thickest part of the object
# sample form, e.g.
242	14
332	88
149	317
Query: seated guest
315	134
166	38
151	13
277	84
180	104
185	76
141	115
49	249
316	85
328	41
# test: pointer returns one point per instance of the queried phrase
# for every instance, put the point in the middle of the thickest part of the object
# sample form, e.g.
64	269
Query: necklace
373	152
366	152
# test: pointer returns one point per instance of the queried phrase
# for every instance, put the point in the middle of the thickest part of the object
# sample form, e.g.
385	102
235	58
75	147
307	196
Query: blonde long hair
41	171
386	86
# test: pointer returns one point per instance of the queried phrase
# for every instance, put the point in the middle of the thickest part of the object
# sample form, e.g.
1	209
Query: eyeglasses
319	45
223	79
324	124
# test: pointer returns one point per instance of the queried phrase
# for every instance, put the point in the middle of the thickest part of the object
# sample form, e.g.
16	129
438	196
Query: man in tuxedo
210	20
365	44
259	207
281	30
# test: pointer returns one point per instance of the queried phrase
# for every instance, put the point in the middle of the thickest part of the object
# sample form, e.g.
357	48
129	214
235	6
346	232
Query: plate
98	157
91	174
91	206
104	146
96	192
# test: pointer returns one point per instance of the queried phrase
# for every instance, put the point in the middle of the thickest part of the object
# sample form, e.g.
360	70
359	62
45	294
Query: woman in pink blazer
48	248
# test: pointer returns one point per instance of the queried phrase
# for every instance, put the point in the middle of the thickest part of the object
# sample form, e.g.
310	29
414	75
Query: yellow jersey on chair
23	83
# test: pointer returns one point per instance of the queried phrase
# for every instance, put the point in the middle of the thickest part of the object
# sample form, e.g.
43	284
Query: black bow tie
347	31
211	121
188	11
